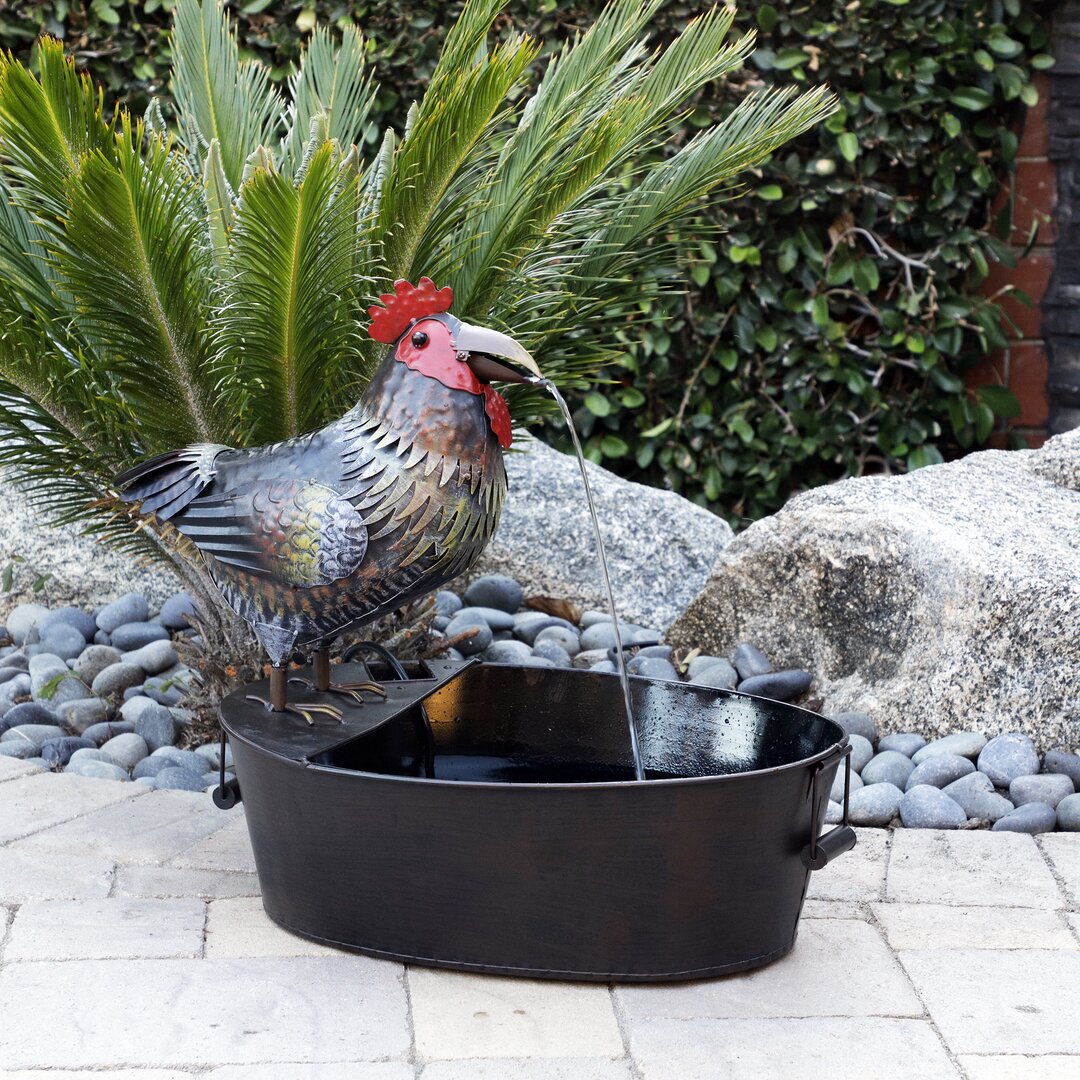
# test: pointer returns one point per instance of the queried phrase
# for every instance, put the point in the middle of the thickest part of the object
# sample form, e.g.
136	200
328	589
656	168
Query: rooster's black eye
419	339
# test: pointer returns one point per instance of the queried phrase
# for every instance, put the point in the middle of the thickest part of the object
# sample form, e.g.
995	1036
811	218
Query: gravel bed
100	694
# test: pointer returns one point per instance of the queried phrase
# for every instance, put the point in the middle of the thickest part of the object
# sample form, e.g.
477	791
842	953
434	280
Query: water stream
620	659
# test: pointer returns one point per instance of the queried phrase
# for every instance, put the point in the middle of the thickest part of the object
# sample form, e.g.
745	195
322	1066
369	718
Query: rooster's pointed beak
514	364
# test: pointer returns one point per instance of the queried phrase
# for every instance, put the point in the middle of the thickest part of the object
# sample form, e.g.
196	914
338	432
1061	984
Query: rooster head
416	320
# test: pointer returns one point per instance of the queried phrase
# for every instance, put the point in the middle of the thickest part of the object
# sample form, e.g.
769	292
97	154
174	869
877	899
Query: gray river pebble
963	743
18	748
719	675
84	713
599	636
22	619
151	766
493	617
568	639
93	660
13	689
102	733
125	750
704	660
129	608
157	727
904	742
857	723
888	767
1031	818
117	678
1060	761
875	804
496	591
152	658
132	636
1049	788
939	771
976	796
479	635
63	641
592	617
1006	757
184	759
553	651
101	770
749	661
34	734
52	681
777	685
507	652
836	792
656	667
82	621
175	611
1068	813
862	751
927	807
447	603
87	753
30	712
58	751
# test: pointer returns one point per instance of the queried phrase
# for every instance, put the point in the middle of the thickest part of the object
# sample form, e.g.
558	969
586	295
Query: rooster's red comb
405	303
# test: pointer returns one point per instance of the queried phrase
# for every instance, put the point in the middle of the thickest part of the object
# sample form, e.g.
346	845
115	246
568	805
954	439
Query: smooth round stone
452	654
590	657
184	759
481	635
1068	813
93	660
63	641
553	651
495	591
749	661
440	622
35	734
7	673
834	812
130	608
22	619
836	792
167	692
643	636
87	753
938	771
567	639
175	611
977	798
59	751
656	667
528	629
777	685
145	781
1060	761
1006	757
133	708
592	617
102	638
857	723
719	675
447	603
212	753
82	621
100	770
30	712
103	732
1032	817
701	662
600	635
507	652
874	804
157	727
888	767
539	661
117	678
903	742
152	765
17	748
862	751
663	651
152	658
494	617
125	750
967	744
605	666
928	807
132	636
1049	788
17	660
20	686
53	681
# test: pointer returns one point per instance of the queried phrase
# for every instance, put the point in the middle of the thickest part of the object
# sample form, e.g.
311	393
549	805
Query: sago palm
203	274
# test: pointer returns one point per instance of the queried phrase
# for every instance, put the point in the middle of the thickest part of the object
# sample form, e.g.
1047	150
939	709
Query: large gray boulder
660	547
943	600
78	569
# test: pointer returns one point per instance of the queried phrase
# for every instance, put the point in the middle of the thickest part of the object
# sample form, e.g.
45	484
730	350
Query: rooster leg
320	681
279	702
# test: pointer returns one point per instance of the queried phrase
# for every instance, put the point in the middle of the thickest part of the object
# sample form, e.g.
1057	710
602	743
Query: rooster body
324	532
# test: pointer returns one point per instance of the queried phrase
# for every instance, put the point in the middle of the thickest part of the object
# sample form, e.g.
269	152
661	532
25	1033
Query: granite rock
950	593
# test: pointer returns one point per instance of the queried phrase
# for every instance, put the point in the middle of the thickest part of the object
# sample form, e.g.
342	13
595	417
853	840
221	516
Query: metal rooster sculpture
327	531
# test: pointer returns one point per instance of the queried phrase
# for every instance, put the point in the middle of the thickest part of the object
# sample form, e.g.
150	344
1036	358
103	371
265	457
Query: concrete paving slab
106	929
835	909
785	1049
456	1015
240	927
1000	1002
1063	851
939	926
115	1074
208	1013
529	1069
1015	1067
228	849
39	802
969	869
858	874
839	967
153	829
28	876
166	881
351	1070
14	769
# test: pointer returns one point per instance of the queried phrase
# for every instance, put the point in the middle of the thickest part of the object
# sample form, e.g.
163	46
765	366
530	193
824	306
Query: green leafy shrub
827	330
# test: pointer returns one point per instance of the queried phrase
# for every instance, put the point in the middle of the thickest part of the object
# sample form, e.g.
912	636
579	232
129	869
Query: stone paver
202	1012
14	769
857	877
30	876
354	1070
834	909
808	1049
1013	1067
1063	851
113	1074
153	829
938	926
38	802
228	849
165	881
485	1016
1000	1002
528	1069
240	927
106	929
969	869
844	955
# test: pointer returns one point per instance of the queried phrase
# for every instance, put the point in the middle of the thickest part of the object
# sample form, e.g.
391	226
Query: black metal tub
503	832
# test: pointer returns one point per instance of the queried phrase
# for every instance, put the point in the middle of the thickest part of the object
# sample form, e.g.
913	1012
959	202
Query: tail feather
166	484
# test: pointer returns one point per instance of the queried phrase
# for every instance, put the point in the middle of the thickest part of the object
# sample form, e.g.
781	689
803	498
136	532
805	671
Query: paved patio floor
133	945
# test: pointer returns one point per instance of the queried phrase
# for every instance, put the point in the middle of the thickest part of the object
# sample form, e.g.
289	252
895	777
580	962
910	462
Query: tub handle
227	793
823	849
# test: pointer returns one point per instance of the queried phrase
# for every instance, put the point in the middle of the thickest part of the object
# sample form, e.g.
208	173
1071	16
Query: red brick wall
1023	365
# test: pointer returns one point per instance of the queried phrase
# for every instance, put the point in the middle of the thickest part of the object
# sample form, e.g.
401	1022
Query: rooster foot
350	690
307	709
